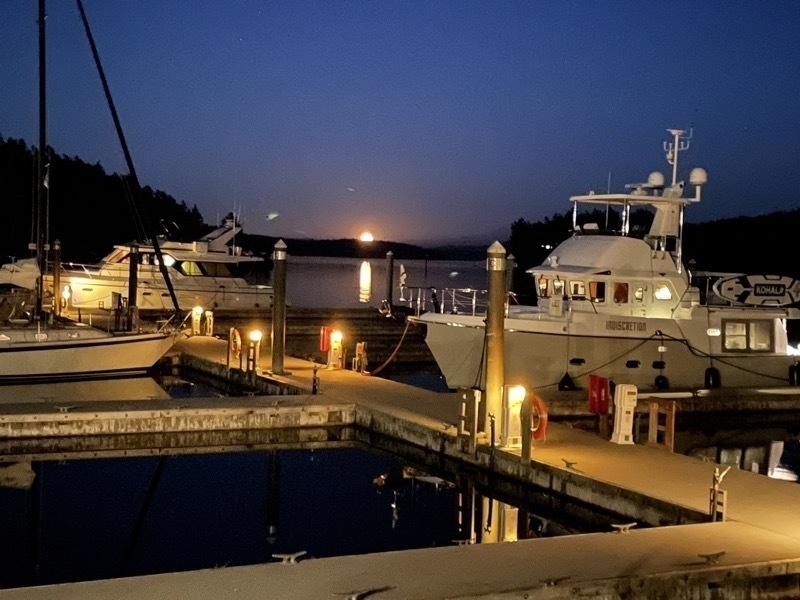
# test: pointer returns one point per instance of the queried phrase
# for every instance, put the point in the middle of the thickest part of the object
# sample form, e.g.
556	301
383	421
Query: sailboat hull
28	355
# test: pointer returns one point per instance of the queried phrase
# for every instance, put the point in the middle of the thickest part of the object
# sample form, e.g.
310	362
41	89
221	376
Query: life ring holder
538	418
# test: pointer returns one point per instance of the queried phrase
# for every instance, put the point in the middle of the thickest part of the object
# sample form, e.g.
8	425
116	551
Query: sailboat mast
134	180
41	190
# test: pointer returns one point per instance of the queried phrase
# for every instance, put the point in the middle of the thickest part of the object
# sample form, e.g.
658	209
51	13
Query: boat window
662	292
188	267
638	293
558	288
543	287
213	269
577	290
597	291
748	335
620	292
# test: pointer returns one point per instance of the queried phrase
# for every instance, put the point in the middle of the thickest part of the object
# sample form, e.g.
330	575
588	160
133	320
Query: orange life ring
538	418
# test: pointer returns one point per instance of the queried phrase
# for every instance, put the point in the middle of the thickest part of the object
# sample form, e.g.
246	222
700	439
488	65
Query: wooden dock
674	552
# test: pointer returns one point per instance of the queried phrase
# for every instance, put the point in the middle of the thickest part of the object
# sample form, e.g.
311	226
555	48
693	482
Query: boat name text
769	289
626	326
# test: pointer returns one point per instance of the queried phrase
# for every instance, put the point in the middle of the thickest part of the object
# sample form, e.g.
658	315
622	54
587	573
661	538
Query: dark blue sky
416	120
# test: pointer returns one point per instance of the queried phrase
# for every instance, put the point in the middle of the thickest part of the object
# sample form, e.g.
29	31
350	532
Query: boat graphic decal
759	290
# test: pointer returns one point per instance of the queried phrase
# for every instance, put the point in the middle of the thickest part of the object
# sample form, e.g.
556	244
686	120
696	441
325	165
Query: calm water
314	282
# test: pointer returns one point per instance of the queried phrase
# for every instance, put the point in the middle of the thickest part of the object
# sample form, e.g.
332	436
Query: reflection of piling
495	335
273	495
279	307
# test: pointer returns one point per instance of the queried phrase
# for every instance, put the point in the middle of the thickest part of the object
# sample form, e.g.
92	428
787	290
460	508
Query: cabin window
190	268
577	289
558	288
638	293
597	291
216	269
620	292
748	336
662	292
543	287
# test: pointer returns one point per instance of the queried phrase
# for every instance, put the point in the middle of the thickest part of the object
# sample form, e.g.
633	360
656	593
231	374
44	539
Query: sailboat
39	345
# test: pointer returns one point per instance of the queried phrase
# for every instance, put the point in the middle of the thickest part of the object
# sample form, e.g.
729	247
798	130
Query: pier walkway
754	554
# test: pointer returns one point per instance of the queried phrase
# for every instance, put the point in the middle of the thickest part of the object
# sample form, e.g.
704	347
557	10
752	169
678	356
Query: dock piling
279	308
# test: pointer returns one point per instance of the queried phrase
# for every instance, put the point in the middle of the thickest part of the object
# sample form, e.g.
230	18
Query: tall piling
133	285
279	307
57	302
495	334
389	280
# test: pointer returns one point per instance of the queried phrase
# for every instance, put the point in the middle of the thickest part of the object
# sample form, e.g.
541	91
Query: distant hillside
351	248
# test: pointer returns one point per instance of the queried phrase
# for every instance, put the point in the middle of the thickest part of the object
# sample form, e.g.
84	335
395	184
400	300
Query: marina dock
672	551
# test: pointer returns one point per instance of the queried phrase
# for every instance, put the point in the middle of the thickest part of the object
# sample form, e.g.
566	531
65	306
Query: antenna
679	143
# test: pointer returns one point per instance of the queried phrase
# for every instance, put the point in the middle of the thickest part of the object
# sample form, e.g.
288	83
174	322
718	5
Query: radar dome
655	179
698	176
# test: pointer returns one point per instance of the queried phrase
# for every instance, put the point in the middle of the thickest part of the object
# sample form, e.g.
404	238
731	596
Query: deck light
255	336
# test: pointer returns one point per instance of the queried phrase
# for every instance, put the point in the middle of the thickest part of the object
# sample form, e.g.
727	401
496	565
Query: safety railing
454	301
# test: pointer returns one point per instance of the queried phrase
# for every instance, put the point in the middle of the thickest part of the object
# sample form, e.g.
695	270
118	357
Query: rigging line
132	171
482	361
699	352
590	371
394	353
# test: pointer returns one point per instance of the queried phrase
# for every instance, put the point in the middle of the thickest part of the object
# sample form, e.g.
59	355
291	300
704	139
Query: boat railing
453	301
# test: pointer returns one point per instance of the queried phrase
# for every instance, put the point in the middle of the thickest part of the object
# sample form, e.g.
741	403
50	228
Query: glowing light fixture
713	332
255	336
336	337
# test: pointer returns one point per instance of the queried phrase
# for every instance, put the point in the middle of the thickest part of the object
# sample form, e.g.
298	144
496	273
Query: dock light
253	351
511	425
209	329
197	314
335	354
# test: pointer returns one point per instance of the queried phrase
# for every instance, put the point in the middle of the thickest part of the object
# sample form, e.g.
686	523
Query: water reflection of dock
757	548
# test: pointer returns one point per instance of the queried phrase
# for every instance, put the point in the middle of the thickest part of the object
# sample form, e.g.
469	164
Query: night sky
419	121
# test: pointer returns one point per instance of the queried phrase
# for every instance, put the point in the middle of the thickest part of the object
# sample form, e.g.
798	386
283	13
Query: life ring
538	417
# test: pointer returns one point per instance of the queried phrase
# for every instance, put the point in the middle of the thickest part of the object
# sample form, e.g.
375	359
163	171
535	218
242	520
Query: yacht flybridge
626	308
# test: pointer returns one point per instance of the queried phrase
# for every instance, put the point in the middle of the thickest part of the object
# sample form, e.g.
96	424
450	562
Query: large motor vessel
627	309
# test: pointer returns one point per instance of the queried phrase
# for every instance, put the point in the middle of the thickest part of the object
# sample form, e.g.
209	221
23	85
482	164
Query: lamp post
253	351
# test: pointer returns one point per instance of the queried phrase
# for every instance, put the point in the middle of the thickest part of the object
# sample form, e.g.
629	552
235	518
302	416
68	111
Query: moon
367	237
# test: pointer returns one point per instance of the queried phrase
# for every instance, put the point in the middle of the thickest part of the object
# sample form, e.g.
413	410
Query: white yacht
211	272
627	309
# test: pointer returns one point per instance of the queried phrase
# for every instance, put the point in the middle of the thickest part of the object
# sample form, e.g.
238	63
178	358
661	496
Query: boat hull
212	293
30	357
540	359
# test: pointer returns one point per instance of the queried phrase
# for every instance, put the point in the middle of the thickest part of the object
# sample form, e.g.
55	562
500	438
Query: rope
394	353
